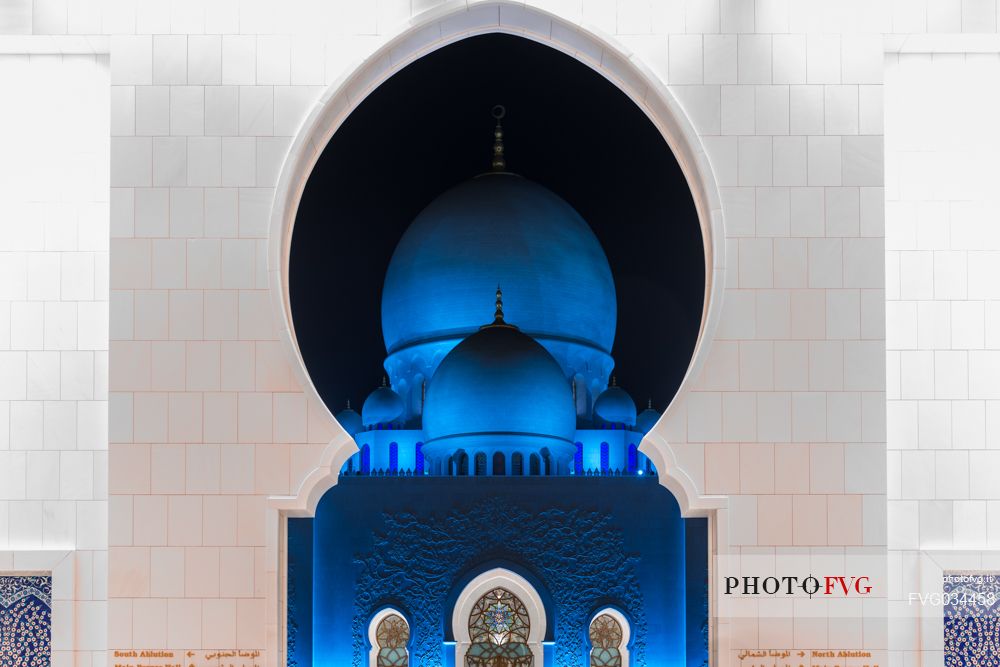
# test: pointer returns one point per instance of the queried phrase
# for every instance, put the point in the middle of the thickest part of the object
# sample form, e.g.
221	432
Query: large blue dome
499	228
499	390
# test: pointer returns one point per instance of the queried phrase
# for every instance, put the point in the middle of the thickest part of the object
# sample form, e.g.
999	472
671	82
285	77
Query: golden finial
614	381
650	405
348	404
499	164
385	382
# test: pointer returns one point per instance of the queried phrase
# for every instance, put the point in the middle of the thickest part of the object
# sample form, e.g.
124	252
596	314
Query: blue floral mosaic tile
25	621
971	619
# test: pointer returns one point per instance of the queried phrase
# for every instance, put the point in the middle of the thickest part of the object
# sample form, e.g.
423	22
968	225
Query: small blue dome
383	406
350	420
647	419
614	406
499	389
499	228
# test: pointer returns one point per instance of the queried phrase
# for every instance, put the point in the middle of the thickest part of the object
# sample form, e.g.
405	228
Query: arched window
350	465
393	457
463	464
499	464
517	464
546	463
534	465
633	459
418	466
609	635
498	629
480	464
366	460
389	634
578	459
605	456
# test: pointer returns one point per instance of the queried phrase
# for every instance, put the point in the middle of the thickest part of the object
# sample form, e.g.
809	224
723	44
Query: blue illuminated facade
498	441
413	544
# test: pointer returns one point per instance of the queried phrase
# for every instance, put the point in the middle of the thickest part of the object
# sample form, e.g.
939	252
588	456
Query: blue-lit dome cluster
531	388
497	228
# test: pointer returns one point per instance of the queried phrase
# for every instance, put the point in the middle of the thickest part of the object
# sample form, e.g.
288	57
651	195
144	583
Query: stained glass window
393	457
392	635
578	459
605	642
25	621
605	457
498	629
418	466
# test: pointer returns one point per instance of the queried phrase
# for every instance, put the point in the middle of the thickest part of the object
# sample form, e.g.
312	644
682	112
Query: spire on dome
498	313
499	164
385	382
498	320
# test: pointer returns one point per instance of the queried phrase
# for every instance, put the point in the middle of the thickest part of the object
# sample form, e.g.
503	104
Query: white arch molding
426	32
498	578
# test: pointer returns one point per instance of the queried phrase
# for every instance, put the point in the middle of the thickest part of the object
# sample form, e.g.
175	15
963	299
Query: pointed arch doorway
499	618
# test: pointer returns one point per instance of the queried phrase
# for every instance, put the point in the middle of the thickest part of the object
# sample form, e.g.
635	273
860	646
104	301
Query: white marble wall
54	336
787	417
942	329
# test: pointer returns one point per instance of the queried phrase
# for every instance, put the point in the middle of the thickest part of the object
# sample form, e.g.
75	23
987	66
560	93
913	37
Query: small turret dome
383	406
499	389
647	419
614	406
350	420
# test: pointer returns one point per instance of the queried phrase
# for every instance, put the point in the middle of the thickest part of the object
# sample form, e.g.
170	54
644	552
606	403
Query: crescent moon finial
499	163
